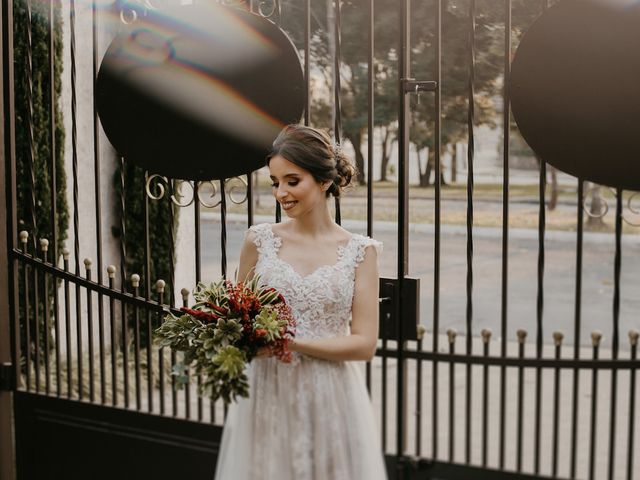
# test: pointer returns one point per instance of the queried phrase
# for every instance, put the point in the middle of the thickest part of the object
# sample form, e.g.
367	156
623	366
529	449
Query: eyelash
291	184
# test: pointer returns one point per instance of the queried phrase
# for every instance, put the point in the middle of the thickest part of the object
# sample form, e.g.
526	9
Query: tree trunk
384	162
596	208
356	141
423	177
553	200
454	164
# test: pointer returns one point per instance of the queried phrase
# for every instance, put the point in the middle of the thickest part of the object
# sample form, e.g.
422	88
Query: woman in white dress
311	419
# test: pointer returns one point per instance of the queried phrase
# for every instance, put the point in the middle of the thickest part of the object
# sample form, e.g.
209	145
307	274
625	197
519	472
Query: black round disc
200	91
575	89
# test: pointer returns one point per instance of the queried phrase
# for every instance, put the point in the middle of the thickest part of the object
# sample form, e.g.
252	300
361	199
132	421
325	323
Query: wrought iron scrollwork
631	208
633	218
206	192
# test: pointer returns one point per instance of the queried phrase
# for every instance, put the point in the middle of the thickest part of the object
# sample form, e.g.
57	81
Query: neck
316	222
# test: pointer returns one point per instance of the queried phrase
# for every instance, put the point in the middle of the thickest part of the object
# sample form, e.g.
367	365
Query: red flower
204	317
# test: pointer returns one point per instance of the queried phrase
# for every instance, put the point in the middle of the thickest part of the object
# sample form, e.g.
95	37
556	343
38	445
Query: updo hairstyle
312	149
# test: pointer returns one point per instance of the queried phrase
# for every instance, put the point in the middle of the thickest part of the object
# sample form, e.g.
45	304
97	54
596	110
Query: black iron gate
92	396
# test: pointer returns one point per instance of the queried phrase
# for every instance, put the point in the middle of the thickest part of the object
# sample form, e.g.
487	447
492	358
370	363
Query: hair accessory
337	151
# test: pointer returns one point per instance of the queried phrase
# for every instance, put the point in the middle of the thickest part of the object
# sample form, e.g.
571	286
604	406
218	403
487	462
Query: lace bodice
320	301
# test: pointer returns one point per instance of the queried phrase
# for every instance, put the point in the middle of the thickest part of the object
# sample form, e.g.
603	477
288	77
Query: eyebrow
296	175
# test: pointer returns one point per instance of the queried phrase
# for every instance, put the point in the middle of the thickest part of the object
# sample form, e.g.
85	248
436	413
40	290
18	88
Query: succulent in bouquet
223	331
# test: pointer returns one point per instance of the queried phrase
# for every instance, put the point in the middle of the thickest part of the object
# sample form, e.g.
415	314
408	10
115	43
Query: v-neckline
278	243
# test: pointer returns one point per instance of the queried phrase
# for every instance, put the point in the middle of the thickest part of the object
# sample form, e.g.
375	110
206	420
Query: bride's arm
361	344
248	258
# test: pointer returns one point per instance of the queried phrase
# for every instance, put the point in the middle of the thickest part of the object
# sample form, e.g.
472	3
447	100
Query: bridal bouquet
222	333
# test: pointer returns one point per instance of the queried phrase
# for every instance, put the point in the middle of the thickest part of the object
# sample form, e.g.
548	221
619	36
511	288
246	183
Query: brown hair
312	149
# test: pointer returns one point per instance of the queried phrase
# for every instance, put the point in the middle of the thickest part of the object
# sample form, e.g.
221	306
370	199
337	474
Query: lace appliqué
321	301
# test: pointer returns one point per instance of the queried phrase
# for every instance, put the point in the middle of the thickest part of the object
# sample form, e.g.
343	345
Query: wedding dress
311	419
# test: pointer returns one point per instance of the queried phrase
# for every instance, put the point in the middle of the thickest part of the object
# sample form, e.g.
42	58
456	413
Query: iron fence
492	408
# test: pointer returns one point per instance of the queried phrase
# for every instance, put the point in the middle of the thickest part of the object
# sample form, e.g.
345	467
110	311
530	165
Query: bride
311	419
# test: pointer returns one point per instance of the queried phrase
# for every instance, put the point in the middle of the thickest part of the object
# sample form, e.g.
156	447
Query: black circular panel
575	89
199	92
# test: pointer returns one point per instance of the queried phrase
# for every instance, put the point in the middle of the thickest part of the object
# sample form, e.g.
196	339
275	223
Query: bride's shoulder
362	243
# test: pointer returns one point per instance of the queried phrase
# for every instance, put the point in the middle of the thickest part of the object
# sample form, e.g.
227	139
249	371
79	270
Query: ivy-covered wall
42	141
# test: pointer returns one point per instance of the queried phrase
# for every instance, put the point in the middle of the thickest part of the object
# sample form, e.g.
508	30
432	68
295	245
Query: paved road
559	277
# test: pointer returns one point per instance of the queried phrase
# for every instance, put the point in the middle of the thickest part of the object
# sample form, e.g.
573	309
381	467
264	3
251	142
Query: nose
281	192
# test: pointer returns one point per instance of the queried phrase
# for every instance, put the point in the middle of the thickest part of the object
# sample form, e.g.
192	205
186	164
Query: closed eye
291	184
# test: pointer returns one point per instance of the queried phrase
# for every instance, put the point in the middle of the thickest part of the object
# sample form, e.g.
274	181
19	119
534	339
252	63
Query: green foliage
47	147
160	213
455	66
43	146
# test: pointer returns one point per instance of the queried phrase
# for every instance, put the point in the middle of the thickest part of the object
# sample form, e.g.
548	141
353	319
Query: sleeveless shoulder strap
361	243
263	238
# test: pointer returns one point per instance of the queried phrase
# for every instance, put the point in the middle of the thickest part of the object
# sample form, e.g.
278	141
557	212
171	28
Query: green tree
37	154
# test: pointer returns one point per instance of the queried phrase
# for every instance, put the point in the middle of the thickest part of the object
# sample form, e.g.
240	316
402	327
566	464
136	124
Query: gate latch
6	377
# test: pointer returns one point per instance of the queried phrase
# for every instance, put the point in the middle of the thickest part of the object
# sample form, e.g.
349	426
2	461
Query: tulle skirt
310	420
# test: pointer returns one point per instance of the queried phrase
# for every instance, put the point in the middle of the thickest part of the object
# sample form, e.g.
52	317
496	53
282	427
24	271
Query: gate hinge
7	380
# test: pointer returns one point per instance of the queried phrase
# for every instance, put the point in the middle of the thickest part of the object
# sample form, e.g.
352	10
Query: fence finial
44	244
557	338
452	333
111	271
160	284
486	335
135	280
421	331
87	263
65	253
24	236
596	337
522	335
633	337
185	294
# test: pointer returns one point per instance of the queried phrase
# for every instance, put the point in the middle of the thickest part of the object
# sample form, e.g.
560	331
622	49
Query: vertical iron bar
36	316
103	370
633	339
307	61
147	293
384	389
67	323
53	181
24	238
198	245
557	337
370	121
187	389
470	159
522	336
160	284
31	156
506	122
615	341
92	393
421	331
436	240
149	360
540	309
135	283
337	107
223	259
577	326
74	154
404	118
111	270
123	284
44	245
486	338
596	337
249	199
451	333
